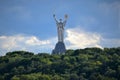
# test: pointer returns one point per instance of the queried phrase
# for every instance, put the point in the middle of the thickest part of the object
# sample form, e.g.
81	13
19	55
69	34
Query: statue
60	46
60	28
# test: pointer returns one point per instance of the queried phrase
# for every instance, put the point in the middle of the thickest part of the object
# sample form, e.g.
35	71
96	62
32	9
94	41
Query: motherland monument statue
60	46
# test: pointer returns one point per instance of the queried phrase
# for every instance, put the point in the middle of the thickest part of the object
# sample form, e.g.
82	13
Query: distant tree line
80	64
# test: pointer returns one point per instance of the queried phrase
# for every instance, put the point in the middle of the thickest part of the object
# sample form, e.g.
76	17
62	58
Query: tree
80	64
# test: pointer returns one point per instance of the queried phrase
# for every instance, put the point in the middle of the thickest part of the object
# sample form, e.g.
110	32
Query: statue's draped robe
60	30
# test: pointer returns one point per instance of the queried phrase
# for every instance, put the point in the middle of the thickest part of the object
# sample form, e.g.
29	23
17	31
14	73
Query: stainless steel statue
60	46
60	28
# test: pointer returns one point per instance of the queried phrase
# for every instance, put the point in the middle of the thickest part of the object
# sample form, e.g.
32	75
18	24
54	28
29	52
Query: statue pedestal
59	48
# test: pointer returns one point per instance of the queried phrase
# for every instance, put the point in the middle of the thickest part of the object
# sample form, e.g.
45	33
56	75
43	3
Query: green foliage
80	64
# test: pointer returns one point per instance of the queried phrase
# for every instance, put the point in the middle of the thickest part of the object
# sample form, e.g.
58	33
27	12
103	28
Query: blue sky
29	24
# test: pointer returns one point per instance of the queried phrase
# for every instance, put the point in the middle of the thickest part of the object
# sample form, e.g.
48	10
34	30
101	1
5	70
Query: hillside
80	64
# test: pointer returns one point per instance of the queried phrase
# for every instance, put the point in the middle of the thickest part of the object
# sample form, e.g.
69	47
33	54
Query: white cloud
80	39
34	41
75	39
22	42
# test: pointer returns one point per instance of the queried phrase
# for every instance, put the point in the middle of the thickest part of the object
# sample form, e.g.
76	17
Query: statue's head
60	20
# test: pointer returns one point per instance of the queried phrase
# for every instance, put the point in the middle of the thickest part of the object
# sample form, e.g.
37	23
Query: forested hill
80	64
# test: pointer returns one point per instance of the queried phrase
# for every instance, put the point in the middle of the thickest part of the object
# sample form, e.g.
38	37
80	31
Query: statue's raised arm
55	18
64	22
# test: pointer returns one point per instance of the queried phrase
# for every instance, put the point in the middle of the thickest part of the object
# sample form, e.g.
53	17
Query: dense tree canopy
80	64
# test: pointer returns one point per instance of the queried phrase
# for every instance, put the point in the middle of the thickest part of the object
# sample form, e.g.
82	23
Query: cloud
77	38
23	42
34	41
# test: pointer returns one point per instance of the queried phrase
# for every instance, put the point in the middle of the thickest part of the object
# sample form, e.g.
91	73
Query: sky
29	24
